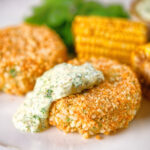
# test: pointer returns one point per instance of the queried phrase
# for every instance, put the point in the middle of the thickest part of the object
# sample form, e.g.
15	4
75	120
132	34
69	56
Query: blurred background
13	11
48	12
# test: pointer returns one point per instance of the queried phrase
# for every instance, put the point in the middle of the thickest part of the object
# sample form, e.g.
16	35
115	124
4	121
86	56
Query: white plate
136	137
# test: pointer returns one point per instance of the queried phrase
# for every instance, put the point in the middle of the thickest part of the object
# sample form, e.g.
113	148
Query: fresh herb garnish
49	93
36	117
13	72
59	14
84	111
94	128
99	124
43	110
68	119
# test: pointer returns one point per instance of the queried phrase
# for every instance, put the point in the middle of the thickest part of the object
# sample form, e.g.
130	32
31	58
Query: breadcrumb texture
103	109
26	51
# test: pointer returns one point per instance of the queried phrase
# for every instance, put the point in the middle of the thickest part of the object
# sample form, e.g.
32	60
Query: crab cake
26	51
103	109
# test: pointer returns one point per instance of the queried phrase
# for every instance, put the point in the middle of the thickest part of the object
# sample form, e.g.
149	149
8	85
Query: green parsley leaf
49	93
68	119
43	110
36	117
84	111
13	72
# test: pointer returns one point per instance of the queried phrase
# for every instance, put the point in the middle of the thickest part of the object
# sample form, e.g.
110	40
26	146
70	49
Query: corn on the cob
140	62
112	37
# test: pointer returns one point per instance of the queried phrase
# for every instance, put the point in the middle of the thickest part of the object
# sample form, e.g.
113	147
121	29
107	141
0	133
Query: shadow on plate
144	112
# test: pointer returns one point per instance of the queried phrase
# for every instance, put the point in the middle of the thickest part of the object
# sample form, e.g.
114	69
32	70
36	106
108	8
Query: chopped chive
84	111
36	117
13	72
68	119
43	110
94	128
49	93
99	124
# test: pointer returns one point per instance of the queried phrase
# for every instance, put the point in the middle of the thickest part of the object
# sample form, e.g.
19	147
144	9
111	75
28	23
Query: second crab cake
26	51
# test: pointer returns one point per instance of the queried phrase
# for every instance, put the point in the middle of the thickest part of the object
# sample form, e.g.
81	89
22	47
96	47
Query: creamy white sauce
143	9
61	81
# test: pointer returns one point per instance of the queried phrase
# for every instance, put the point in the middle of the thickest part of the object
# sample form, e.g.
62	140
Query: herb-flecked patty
103	109
26	51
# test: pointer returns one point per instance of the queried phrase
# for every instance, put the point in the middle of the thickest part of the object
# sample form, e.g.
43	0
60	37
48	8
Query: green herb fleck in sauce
36	117
49	93
43	110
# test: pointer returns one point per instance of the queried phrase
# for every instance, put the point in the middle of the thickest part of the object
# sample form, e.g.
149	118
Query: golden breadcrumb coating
103	109
26	51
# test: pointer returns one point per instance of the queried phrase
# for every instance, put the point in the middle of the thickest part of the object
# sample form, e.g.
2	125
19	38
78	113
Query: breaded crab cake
103	109
26	51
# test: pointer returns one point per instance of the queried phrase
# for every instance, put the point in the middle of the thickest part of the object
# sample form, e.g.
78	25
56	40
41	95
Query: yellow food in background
26	52
141	63
110	37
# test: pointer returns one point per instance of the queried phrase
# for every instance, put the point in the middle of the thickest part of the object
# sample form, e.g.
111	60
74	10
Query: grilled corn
111	37
140	61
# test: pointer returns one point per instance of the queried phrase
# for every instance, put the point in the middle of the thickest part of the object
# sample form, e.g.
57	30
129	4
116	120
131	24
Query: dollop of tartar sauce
61	81
143	9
